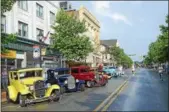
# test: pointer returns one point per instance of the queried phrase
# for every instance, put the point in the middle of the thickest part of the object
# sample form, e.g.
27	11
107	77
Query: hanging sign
36	52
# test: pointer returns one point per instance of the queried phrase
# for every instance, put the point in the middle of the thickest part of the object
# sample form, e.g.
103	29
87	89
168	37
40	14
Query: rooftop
110	42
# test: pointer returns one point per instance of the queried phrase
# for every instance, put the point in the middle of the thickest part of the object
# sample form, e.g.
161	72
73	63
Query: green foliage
158	50
5	39
68	38
6	5
120	57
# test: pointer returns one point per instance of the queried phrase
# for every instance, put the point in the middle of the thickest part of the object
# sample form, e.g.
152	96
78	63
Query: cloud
136	2
102	8
119	17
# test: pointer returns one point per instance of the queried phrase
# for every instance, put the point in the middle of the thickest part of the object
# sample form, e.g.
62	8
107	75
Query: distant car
111	71
65	80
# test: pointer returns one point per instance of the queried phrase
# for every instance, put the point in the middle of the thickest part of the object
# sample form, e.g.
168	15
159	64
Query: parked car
111	71
27	85
90	78
65	80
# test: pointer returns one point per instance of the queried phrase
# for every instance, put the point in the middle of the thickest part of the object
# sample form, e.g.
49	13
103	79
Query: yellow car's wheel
22	100
7	97
55	95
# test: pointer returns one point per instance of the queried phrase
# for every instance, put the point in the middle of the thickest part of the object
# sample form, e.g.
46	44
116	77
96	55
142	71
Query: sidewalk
3	97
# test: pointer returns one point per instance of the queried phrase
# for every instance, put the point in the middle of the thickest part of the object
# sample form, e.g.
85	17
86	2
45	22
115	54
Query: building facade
106	58
30	20
93	32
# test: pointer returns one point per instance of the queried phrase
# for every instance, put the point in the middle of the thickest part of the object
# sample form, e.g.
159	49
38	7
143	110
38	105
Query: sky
135	24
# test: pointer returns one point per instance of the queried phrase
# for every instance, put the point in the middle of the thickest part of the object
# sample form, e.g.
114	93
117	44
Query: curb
3	97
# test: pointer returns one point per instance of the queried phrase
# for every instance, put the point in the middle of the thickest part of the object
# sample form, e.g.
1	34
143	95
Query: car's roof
25	69
82	66
60	69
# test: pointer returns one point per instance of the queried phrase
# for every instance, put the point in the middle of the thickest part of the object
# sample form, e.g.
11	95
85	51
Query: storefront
20	55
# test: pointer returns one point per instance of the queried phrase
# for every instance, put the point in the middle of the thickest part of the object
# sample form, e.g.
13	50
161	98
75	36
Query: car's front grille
39	88
71	82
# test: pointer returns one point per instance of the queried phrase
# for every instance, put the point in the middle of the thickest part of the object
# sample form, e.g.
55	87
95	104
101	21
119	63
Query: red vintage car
90	77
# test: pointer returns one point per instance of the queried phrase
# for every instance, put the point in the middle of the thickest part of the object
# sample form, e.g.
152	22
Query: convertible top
60	69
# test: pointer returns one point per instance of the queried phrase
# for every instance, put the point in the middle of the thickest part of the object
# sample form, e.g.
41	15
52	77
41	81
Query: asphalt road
76	101
143	91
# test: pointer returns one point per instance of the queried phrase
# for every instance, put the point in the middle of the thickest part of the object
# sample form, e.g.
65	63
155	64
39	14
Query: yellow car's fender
24	91
50	89
13	93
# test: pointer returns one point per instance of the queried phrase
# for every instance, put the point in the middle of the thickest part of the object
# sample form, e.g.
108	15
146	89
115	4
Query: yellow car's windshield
28	74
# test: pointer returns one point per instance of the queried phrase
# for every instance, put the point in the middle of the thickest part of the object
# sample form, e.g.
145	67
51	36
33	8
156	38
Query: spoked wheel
22	100
55	95
89	84
62	90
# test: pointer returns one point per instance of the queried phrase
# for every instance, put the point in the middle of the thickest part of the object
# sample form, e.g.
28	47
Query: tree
6	5
69	38
159	50
120	57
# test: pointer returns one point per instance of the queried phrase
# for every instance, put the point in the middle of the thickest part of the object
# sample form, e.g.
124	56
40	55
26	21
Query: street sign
36	52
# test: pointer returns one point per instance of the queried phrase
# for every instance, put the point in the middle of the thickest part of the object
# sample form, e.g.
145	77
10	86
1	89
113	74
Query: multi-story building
30	20
107	59
66	5
93	32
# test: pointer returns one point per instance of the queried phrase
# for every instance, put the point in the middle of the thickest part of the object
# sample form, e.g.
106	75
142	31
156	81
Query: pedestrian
160	71
133	69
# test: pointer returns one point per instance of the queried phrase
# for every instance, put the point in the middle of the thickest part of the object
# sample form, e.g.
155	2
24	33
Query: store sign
18	47
43	51
9	54
36	51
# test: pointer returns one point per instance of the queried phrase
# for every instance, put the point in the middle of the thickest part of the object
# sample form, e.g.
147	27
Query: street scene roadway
143	91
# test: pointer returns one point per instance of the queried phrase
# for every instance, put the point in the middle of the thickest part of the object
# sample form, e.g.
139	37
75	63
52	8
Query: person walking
160	71
133	69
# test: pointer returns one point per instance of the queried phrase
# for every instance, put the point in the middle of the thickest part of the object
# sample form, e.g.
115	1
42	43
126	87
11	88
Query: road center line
110	96
113	98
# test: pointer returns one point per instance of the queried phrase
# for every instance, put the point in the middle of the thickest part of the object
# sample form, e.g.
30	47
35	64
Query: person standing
160	71
133	69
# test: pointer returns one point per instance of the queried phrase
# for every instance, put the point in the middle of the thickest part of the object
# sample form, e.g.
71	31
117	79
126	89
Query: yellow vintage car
27	85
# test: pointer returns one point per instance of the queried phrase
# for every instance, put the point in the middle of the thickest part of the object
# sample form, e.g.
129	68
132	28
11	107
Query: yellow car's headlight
31	88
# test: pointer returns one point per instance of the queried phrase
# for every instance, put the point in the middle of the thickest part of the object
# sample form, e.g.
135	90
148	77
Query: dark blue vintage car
65	80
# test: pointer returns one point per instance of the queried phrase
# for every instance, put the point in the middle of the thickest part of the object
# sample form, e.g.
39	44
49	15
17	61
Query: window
75	70
52	18
15	76
39	11
23	4
3	24
51	39
22	29
39	33
83	70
